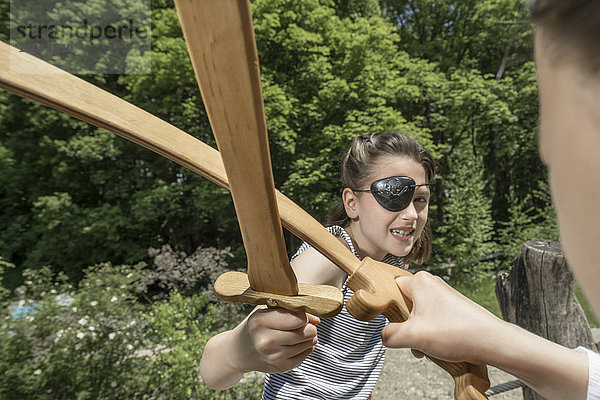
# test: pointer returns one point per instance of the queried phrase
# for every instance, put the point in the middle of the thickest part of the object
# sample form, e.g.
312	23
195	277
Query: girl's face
377	231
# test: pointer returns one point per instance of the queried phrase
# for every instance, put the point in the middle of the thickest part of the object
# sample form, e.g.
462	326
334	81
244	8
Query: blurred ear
350	200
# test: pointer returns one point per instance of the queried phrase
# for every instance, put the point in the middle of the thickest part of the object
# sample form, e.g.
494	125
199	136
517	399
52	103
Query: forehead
398	166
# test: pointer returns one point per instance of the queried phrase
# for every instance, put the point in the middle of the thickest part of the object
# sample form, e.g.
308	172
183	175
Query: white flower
94	303
129	347
74	309
82	321
113	299
111	335
132	323
64	300
80	335
129	275
113	384
53	291
91	328
37	372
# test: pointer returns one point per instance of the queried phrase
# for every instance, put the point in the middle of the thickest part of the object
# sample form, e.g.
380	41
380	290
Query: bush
182	326
99	341
79	349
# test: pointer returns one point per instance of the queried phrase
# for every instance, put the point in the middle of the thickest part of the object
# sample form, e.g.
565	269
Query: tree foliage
455	75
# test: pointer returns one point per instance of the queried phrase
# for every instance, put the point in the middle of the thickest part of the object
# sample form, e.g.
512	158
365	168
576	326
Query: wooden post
537	293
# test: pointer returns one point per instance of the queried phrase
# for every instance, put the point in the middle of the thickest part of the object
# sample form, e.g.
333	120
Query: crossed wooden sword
221	43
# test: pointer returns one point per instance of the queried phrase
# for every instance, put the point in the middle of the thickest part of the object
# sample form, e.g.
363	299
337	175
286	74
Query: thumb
405	285
398	334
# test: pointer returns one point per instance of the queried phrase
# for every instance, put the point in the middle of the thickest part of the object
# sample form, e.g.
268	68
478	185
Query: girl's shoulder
312	267
336	230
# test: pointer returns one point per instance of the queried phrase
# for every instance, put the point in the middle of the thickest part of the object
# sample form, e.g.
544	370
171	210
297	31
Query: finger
417	353
298	336
299	348
281	319
392	336
313	319
287	357
297	359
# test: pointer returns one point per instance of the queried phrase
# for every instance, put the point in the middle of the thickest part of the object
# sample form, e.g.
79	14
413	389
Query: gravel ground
405	377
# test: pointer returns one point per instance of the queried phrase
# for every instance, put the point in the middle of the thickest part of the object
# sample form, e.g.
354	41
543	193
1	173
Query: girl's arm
268	340
447	325
313	268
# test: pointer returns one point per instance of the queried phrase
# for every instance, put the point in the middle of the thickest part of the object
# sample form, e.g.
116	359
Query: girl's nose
409	213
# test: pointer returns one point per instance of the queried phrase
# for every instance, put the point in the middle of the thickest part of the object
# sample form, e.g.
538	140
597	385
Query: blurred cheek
574	167
422	219
569	141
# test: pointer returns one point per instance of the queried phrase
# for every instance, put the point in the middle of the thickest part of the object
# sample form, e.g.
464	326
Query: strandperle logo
84	37
84	30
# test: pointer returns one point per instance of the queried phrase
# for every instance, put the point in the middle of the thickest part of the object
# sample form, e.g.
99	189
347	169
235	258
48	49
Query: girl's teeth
400	233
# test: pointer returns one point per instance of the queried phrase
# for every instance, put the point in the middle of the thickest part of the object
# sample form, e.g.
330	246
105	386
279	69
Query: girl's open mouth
402	233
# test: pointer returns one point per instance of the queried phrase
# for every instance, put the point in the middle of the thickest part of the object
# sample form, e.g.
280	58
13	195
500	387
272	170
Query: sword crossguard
324	301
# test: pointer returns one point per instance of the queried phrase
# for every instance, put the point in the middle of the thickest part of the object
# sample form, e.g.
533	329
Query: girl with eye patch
382	214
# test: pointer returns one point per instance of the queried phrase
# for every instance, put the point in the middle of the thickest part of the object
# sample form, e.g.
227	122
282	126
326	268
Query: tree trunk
537	294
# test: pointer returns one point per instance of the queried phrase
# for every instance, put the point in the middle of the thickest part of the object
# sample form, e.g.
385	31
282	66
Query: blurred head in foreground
568	63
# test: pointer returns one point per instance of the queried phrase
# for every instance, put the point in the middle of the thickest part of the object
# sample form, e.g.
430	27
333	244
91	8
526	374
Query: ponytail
337	215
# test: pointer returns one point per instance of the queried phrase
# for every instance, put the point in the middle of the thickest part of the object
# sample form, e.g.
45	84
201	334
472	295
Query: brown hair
357	165
571	24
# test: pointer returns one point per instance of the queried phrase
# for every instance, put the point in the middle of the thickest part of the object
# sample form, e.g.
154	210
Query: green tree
73	195
490	35
465	236
527	220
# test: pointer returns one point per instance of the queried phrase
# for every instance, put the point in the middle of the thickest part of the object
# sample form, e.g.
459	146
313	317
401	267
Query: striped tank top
347	359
